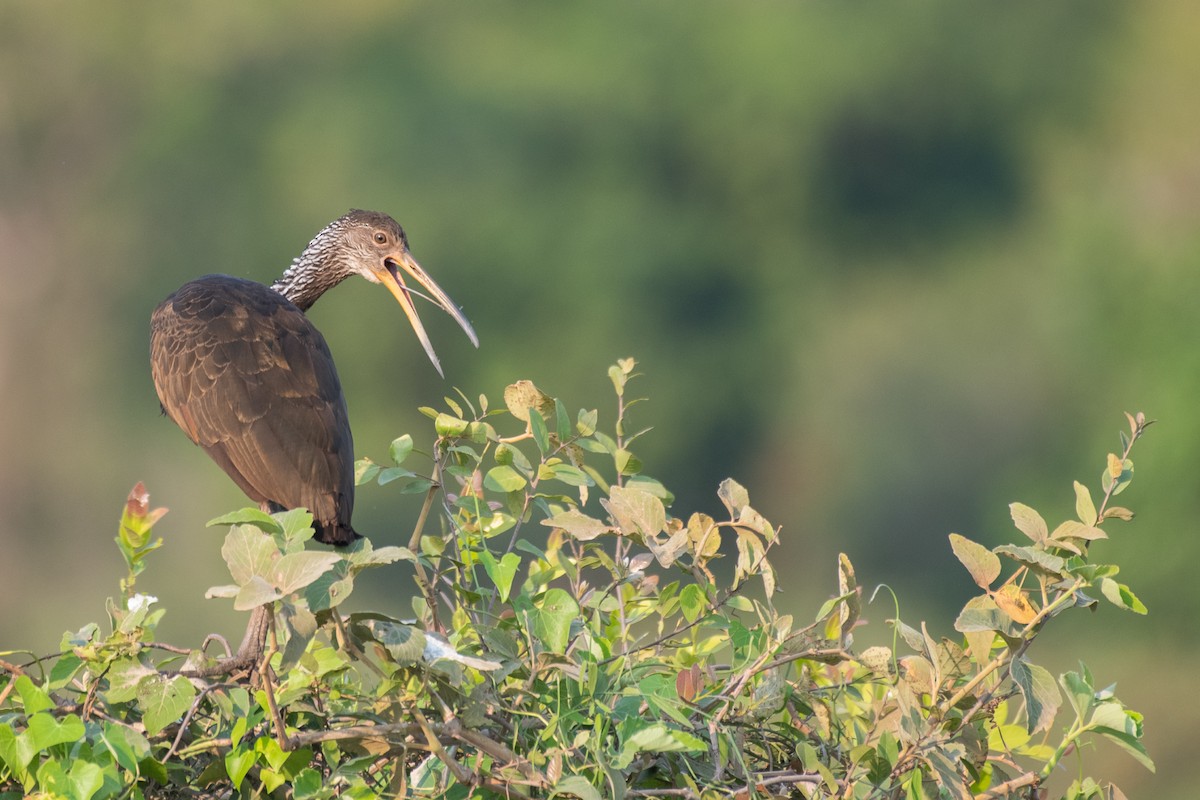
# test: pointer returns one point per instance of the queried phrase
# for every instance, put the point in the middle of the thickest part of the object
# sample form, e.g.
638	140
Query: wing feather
249	378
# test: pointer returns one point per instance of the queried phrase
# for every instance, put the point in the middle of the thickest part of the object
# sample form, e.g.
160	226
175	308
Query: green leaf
15	753
982	614
577	786
585	423
1121	596
1034	558
578	525
501	572
123	679
1038	688
365	471
655	737
446	425
1122	726
297	570
366	556
307	783
626	462
1085	509
84	779
33	697
541	436
296	522
128	747
829	606
572	476
390	474
692	602
1080	691
1028	521
237	763
405	643
400	449
552	617
248	516
164	700
44	731
504	478
946	762
982	563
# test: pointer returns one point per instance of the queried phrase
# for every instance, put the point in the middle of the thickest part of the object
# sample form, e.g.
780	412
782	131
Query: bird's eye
380	238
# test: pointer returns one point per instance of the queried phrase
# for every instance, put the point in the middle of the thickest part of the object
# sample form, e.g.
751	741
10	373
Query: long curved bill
394	280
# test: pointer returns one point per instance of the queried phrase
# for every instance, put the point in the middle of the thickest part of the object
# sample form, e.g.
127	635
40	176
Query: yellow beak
391	276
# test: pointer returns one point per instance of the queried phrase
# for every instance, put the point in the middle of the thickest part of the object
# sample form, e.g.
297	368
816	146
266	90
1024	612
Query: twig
187	718
1004	789
357	732
414	544
265	671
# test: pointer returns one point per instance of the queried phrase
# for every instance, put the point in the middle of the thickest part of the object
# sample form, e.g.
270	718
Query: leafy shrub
571	638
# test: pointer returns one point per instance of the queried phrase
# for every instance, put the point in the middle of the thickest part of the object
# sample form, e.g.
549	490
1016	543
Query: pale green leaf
1040	692
249	552
1028	521
404	643
734	496
297	570
982	563
1085	509
1123	727
1034	558
255	592
635	511
123	679
586	422
1121	596
248	516
1072	529
164	700
982	614
578	524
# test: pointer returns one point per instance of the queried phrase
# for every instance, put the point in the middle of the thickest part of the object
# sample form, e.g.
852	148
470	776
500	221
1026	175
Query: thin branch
1006	788
414	544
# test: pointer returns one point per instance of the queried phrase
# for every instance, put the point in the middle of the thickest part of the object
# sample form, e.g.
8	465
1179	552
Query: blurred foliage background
891	267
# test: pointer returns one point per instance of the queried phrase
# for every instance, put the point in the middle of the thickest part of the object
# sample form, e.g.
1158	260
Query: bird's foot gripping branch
571	636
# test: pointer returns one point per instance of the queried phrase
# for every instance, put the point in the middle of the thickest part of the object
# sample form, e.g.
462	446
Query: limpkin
240	368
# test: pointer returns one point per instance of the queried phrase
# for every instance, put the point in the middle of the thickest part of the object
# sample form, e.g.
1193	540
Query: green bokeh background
890	266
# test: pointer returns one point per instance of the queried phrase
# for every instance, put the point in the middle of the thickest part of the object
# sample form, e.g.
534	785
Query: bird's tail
337	534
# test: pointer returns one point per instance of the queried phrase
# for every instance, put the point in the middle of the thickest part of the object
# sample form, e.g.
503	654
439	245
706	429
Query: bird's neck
310	276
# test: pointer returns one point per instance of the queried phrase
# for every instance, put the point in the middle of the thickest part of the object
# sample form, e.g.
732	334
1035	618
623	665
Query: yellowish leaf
1015	603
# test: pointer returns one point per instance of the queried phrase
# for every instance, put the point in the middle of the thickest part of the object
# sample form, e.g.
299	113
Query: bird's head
373	245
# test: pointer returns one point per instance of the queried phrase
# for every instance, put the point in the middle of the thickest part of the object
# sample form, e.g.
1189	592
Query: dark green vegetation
737	196
574	638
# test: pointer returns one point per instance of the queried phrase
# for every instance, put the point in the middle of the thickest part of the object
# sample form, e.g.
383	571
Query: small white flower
140	601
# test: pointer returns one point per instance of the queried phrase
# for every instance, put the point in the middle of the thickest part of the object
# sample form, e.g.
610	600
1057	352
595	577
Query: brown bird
247	376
